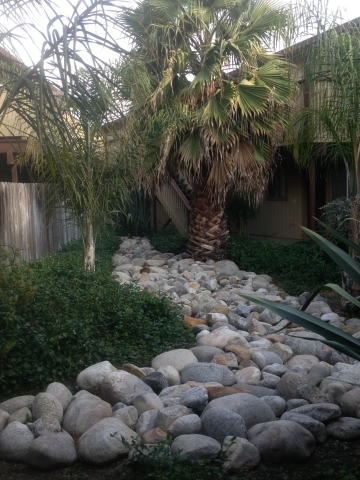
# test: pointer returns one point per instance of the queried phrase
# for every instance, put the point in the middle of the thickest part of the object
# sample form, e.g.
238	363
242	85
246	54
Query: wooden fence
26	224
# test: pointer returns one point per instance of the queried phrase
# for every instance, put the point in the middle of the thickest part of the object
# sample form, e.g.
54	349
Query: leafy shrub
133	217
165	242
336	215
239	209
295	267
76	318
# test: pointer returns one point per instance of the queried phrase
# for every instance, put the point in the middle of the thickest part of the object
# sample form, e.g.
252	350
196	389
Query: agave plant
334	337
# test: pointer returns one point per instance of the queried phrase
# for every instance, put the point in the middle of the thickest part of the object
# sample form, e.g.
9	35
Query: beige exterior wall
281	219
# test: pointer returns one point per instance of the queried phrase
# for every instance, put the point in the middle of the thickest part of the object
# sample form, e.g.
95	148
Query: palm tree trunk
89	253
208	225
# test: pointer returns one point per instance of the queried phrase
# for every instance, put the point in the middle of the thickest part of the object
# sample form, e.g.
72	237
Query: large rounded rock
43	425
128	415
350	403
61	393
218	338
15	403
322	412
196	398
196	447
156	381
92	376
206	354
344	373
23	416
346	429
102	443
52	450
207	372
315	428
121	386
277	404
176	358
15	441
251	408
263	358
282	441
167	416
147	401
84	412
219	423
239	453
288	385
47	404
171	374
186	425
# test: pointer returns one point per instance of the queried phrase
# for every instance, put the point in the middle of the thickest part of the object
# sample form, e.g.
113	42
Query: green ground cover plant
75	318
166	242
295	267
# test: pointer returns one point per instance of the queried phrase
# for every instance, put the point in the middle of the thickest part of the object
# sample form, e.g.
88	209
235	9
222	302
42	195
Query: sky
350	9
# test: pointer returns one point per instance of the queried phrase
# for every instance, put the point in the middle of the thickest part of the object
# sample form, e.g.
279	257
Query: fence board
25	223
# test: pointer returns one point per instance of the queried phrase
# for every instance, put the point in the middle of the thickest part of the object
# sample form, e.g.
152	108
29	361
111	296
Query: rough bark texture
208	225
89	254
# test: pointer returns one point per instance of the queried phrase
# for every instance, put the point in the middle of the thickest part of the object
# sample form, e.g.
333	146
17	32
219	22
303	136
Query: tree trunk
89	253
208	225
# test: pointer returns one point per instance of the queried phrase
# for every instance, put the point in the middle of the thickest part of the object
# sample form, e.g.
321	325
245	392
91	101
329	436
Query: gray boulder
282	441
168	415
315	428
45	424
185	425
219	423
350	403
176	358
288	384
147	401
249	407
277	404
322	412
196	447
102	443
47	404
206	354
128	415
92	376
15	441
61	393
346	429
147	421
52	450
15	403
207	372
23	415
84	412
263	358
196	398
121	386
239	453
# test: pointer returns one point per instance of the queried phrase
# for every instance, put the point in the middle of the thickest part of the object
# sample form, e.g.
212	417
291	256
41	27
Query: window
277	184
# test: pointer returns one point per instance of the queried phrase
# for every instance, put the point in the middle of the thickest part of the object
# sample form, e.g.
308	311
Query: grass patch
76	318
295	267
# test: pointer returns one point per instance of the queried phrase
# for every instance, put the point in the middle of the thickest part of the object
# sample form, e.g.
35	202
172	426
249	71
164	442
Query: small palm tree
63	101
209	98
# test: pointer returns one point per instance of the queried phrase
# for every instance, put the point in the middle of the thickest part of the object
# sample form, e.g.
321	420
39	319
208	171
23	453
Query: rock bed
248	389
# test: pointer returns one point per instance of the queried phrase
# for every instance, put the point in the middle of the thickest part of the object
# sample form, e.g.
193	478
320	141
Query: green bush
76	318
165	242
295	267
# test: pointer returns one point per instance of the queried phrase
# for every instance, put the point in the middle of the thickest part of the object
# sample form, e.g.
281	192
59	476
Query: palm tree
209	98
63	101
